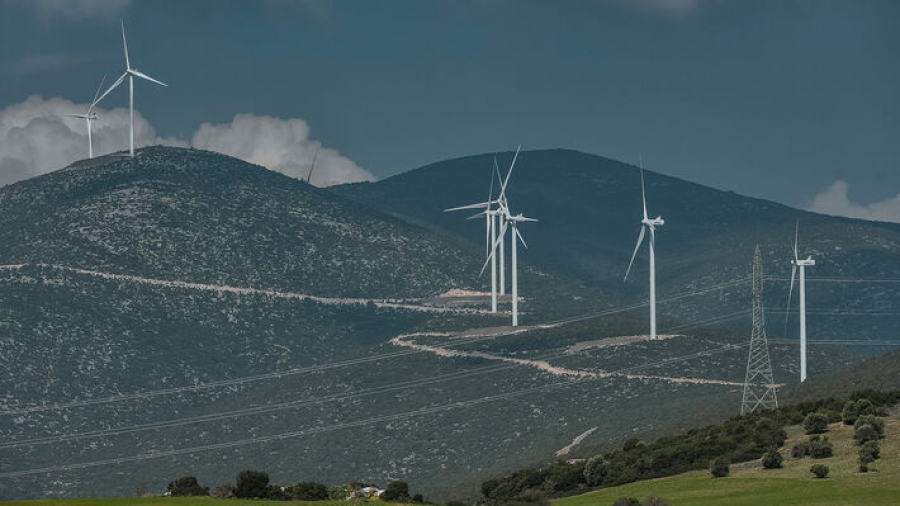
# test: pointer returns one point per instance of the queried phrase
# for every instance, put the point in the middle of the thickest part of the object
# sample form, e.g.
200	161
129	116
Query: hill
590	208
749	485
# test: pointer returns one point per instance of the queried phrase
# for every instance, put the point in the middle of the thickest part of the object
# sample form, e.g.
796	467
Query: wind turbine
802	264
646	224
88	117
130	73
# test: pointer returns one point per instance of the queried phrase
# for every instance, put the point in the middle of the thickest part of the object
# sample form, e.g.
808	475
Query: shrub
418	498
252	484
224	491
655	501
186	485
397	490
307	491
820	470
719	467
864	433
853	409
627	501
800	450
876	423
872	449
772	459
815	423
631	444
820	448
595	470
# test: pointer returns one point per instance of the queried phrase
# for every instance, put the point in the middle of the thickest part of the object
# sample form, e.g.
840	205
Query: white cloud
835	201
108	10
282	145
36	137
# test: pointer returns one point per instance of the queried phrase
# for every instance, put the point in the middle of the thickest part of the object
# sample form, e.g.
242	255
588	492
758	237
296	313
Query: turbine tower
759	385
130	73
89	117
646	224
802	264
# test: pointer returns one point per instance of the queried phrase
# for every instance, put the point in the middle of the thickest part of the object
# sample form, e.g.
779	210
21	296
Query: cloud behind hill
835	200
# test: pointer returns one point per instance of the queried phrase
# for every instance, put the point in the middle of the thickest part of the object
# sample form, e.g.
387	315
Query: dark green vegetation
108	371
592	205
739	439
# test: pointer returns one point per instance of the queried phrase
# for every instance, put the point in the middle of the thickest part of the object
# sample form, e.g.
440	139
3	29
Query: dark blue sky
771	98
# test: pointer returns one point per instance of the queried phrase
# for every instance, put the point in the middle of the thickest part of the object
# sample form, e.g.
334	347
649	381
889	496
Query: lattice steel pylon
759	385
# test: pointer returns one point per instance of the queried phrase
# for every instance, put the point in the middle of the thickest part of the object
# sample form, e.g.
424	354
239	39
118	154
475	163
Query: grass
169	501
751	485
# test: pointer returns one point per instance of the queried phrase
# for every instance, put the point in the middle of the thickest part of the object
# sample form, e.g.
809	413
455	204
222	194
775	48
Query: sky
793	101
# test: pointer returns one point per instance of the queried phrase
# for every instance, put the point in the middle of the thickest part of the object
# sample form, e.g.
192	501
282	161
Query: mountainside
590	208
181	214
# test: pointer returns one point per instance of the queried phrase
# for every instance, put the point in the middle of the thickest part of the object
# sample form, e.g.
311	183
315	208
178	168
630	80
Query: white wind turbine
647	223
130	73
507	219
802	264
89	117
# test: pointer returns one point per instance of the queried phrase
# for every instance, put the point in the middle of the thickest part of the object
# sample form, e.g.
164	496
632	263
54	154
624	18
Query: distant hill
590	208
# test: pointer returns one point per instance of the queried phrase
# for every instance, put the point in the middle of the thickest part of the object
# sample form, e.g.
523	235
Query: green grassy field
751	485
170	501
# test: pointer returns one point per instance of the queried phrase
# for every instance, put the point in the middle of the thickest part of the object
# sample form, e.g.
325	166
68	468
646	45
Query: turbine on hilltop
130	73
646	224
89	117
802	264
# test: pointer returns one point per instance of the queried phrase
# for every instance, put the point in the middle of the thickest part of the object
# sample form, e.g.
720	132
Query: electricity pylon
759	386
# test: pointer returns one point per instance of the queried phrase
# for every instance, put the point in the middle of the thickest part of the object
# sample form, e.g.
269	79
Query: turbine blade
312	165
511	167
643	193
493	248
519	235
145	76
479	215
636	248
114	85
787	313
487	232
796	239
94	102
125	44
79	116
470	206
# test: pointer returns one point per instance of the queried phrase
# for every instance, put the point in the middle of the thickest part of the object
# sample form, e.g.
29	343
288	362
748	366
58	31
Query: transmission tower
759	386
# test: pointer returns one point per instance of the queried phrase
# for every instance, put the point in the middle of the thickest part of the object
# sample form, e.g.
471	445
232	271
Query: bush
820	448
627	501
631	444
307	491
595	471
719	467
186	485
872	449
815	423
418	498
224	491
800	450
821	471
252	484
655	501
854	409
772	459
397	490
864	433
876	423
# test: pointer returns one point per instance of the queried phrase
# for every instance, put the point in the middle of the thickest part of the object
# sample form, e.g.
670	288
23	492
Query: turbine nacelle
655	222
804	263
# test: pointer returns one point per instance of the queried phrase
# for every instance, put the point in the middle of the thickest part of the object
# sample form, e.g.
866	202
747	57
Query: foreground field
751	485
168	501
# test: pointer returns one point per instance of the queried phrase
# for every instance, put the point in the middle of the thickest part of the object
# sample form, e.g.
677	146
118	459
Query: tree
631	443
307	491
418	498
719	467
224	491
872	449
815	423
854	409
595	470
186	485
876	423
820	448
820	470
397	490
251	484
800	450
772	459
864	433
